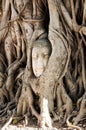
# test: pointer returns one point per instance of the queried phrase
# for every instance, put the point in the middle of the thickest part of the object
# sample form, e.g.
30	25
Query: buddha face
40	57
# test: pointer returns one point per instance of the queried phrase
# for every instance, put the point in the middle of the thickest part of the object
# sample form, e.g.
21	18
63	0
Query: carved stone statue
40	55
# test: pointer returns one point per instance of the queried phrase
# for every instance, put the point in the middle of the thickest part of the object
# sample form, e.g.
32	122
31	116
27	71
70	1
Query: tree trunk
42	60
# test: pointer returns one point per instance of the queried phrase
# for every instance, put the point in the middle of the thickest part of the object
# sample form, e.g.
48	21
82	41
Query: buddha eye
35	56
45	56
26	30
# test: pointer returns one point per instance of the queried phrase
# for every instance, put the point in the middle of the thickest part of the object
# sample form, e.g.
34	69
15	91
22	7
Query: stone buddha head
41	52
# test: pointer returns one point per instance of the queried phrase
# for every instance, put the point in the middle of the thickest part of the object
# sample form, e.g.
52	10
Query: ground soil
34	126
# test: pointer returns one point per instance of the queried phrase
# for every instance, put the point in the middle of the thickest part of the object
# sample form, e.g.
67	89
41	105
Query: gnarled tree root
25	104
69	124
45	119
64	102
82	113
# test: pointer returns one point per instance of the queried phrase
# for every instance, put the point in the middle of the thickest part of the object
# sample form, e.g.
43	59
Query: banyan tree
42	61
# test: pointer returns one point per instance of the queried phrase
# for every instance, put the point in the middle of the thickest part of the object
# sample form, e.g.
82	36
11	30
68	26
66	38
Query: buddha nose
40	63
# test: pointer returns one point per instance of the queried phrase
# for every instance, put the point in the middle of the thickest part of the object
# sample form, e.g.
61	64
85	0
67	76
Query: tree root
7	109
4	20
45	119
82	112
69	124
7	124
3	95
72	86
13	68
17	30
55	116
64	103
25	103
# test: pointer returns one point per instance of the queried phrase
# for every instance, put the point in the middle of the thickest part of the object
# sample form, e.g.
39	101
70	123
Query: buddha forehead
42	46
